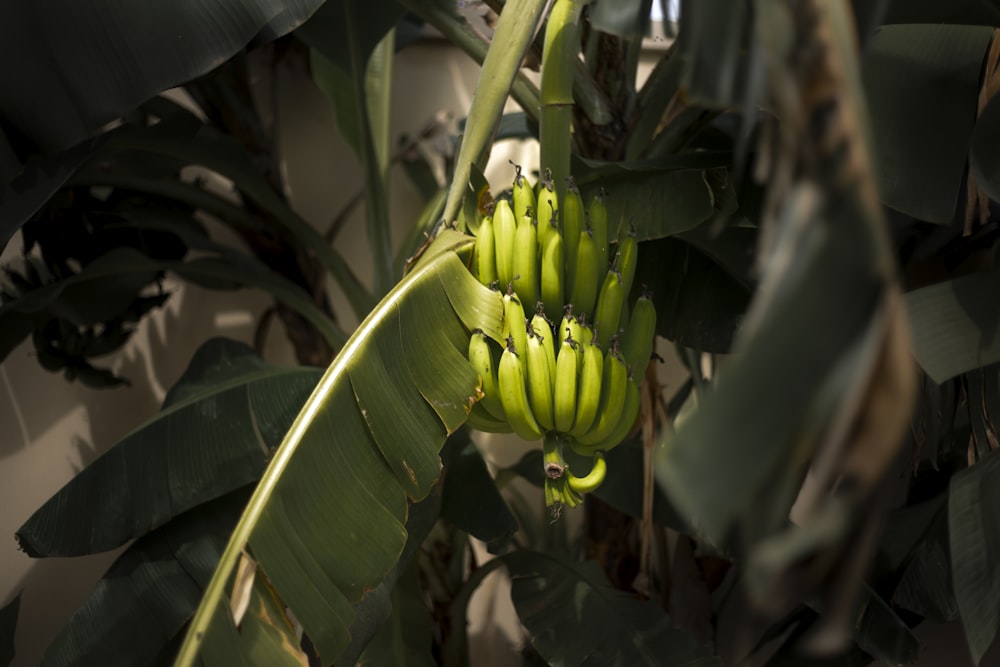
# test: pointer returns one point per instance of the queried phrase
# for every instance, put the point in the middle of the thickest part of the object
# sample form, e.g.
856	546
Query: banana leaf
8	624
326	523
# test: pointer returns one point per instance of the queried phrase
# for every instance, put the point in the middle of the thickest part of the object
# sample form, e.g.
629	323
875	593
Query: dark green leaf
882	634
406	636
621	490
922	86
470	499
8	625
962	12
64	88
214	437
712	35
973	505
956	325
983	158
150	592
575	617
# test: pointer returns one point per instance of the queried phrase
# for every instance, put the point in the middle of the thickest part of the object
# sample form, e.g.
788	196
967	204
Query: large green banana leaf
326	523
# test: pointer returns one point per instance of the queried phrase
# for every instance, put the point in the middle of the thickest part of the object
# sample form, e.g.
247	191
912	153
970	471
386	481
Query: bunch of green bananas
576	384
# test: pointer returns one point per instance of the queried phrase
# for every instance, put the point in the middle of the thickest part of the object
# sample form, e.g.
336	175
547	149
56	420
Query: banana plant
284	516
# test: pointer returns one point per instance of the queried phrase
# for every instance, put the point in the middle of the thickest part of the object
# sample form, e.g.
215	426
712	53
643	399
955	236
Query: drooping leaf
973	504
470	498
711	37
326	522
660	197
983	159
956	325
65	87
575	617
151	590
882	634
922	86
405	638
214	436
8	624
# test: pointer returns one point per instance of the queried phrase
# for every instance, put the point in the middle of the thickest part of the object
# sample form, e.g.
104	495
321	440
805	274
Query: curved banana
583	286
505	231
574	221
514	321
592	480
627	259
598	216
569	326
482	359
609	308
630	412
567	375
614	382
540	382
522	194
636	344
514	394
551	278
484	258
526	261
543	329
588	388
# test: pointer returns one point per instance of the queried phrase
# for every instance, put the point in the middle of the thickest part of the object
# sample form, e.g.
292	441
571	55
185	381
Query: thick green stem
559	56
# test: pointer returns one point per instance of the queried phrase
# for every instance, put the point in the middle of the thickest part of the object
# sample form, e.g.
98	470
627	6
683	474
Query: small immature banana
574	221
505	231
567	376
514	321
598	216
482	359
584	284
553	263
569	326
614	382
547	213
591	480
512	382
526	261
588	388
540	382
637	341
609	308
484	259
523	194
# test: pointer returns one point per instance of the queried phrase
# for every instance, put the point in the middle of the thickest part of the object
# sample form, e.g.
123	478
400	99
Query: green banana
514	394
627	259
543	328
609	308
514	321
569	326
547	214
636	344
614	381
588	388
598	217
540	381
522	194
483	361
630	412
574	221
592	480
583	286
484	259
505	231
567	376
526	261
553	262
